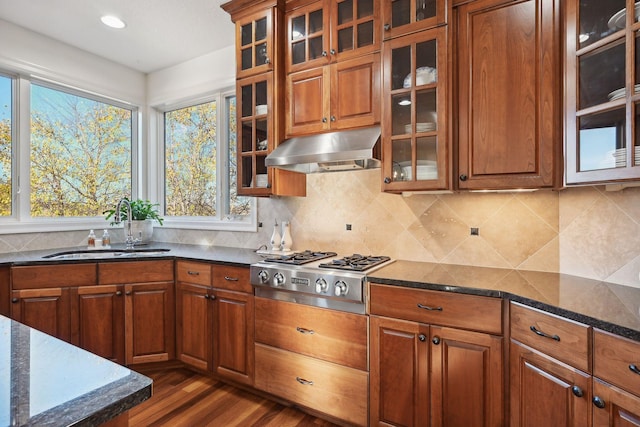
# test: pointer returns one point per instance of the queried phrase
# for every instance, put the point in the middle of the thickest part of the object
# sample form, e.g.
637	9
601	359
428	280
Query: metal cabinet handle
303	381
426	307
119	293
206	296
387	27
332	51
543	334
193	273
231	279
577	391
422	337
598	402
324	120
333	118
305	331
387	180
128	293
463	177
436	340
324	53
14	300
633	368
267	61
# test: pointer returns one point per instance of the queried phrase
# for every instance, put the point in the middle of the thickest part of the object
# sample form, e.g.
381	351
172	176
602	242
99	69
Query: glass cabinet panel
254	40
602	141
405	16
354	24
597	87
599	19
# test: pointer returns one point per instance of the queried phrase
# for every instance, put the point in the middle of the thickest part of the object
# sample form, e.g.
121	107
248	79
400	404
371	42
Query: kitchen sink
105	254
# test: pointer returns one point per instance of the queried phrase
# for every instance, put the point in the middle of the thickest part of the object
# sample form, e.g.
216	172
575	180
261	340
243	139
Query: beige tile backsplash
586	231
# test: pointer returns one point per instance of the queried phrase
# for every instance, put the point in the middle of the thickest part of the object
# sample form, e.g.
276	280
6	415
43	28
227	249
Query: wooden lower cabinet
463	387
194	325
97	320
336	390
545	391
613	406
233	335
45	309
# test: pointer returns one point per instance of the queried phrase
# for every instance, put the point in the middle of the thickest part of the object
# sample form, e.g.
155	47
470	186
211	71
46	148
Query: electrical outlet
348	227
475	231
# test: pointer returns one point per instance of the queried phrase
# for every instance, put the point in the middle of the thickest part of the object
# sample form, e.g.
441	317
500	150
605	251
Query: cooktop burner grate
355	262
300	258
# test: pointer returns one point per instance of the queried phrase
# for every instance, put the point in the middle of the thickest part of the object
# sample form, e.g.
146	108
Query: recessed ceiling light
112	21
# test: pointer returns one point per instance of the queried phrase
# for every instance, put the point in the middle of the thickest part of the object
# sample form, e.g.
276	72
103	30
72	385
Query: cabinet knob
577	391
333	118
14	300
422	337
118	293
128	293
206	296
267	61
598	402
324	120
435	340
332	51
633	368
387	27
387	180
463	177
324	53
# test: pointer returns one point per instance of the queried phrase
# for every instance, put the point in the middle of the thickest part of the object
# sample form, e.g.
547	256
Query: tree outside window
5	145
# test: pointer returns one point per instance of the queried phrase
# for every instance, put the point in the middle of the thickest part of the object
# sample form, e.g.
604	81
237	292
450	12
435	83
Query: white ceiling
159	33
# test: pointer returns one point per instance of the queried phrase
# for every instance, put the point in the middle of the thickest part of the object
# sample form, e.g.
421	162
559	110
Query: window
81	150
200	165
6	127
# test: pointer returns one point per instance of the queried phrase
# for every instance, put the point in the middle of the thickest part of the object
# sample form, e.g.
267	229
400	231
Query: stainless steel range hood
328	152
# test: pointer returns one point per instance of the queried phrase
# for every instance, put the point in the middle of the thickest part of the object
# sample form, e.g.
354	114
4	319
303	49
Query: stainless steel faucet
129	239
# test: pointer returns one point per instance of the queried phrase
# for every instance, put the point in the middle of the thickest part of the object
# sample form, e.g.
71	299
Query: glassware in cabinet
414	135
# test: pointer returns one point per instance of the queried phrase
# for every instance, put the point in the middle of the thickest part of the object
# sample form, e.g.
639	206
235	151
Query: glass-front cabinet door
354	28
254	41
416	152
307	43
603	91
254	134
406	16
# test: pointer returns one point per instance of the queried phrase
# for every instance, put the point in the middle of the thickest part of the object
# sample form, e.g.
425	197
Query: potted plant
143	213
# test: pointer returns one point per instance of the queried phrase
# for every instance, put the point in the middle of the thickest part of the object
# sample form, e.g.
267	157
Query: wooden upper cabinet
509	80
340	96
254	41
602	92
416	147
325	31
401	17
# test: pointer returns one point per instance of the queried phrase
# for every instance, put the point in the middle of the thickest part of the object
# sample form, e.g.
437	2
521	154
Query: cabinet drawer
325	334
53	276
565	339
326	387
231	278
441	308
617	360
197	273
135	272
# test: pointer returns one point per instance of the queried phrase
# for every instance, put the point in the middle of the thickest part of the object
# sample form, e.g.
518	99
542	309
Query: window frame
221	221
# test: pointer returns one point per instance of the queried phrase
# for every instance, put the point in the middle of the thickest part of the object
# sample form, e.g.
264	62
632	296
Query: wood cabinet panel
509	110
307	101
619	408
440	308
545	391
97	320
327	387
232	278
46	310
194	325
197	273
150	322
467	385
570	345
5	291
399	373
53	276
330	335
111	273
234	336
617	360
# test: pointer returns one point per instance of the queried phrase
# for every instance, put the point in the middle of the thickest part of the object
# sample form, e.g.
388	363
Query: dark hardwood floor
184	398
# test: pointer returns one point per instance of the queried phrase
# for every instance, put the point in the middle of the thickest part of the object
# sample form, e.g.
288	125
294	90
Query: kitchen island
48	382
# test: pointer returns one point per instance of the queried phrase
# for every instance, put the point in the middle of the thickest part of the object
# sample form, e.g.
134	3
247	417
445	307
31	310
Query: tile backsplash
583	231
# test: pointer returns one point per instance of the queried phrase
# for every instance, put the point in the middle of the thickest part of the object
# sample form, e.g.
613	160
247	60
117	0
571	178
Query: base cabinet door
194	325
97	320
150	322
545	391
233	335
613	406
399	373
46	310
467	386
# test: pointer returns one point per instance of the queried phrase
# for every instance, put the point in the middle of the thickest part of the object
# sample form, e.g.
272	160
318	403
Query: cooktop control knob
341	288
321	286
278	279
263	275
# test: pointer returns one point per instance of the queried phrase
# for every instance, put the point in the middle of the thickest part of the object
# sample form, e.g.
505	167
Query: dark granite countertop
607	306
48	382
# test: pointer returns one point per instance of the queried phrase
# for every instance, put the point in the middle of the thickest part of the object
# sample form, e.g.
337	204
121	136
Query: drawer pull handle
193	273
305	331
426	307
303	381
231	279
633	368
543	334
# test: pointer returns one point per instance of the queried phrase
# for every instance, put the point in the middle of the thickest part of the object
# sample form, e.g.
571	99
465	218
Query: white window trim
219	222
